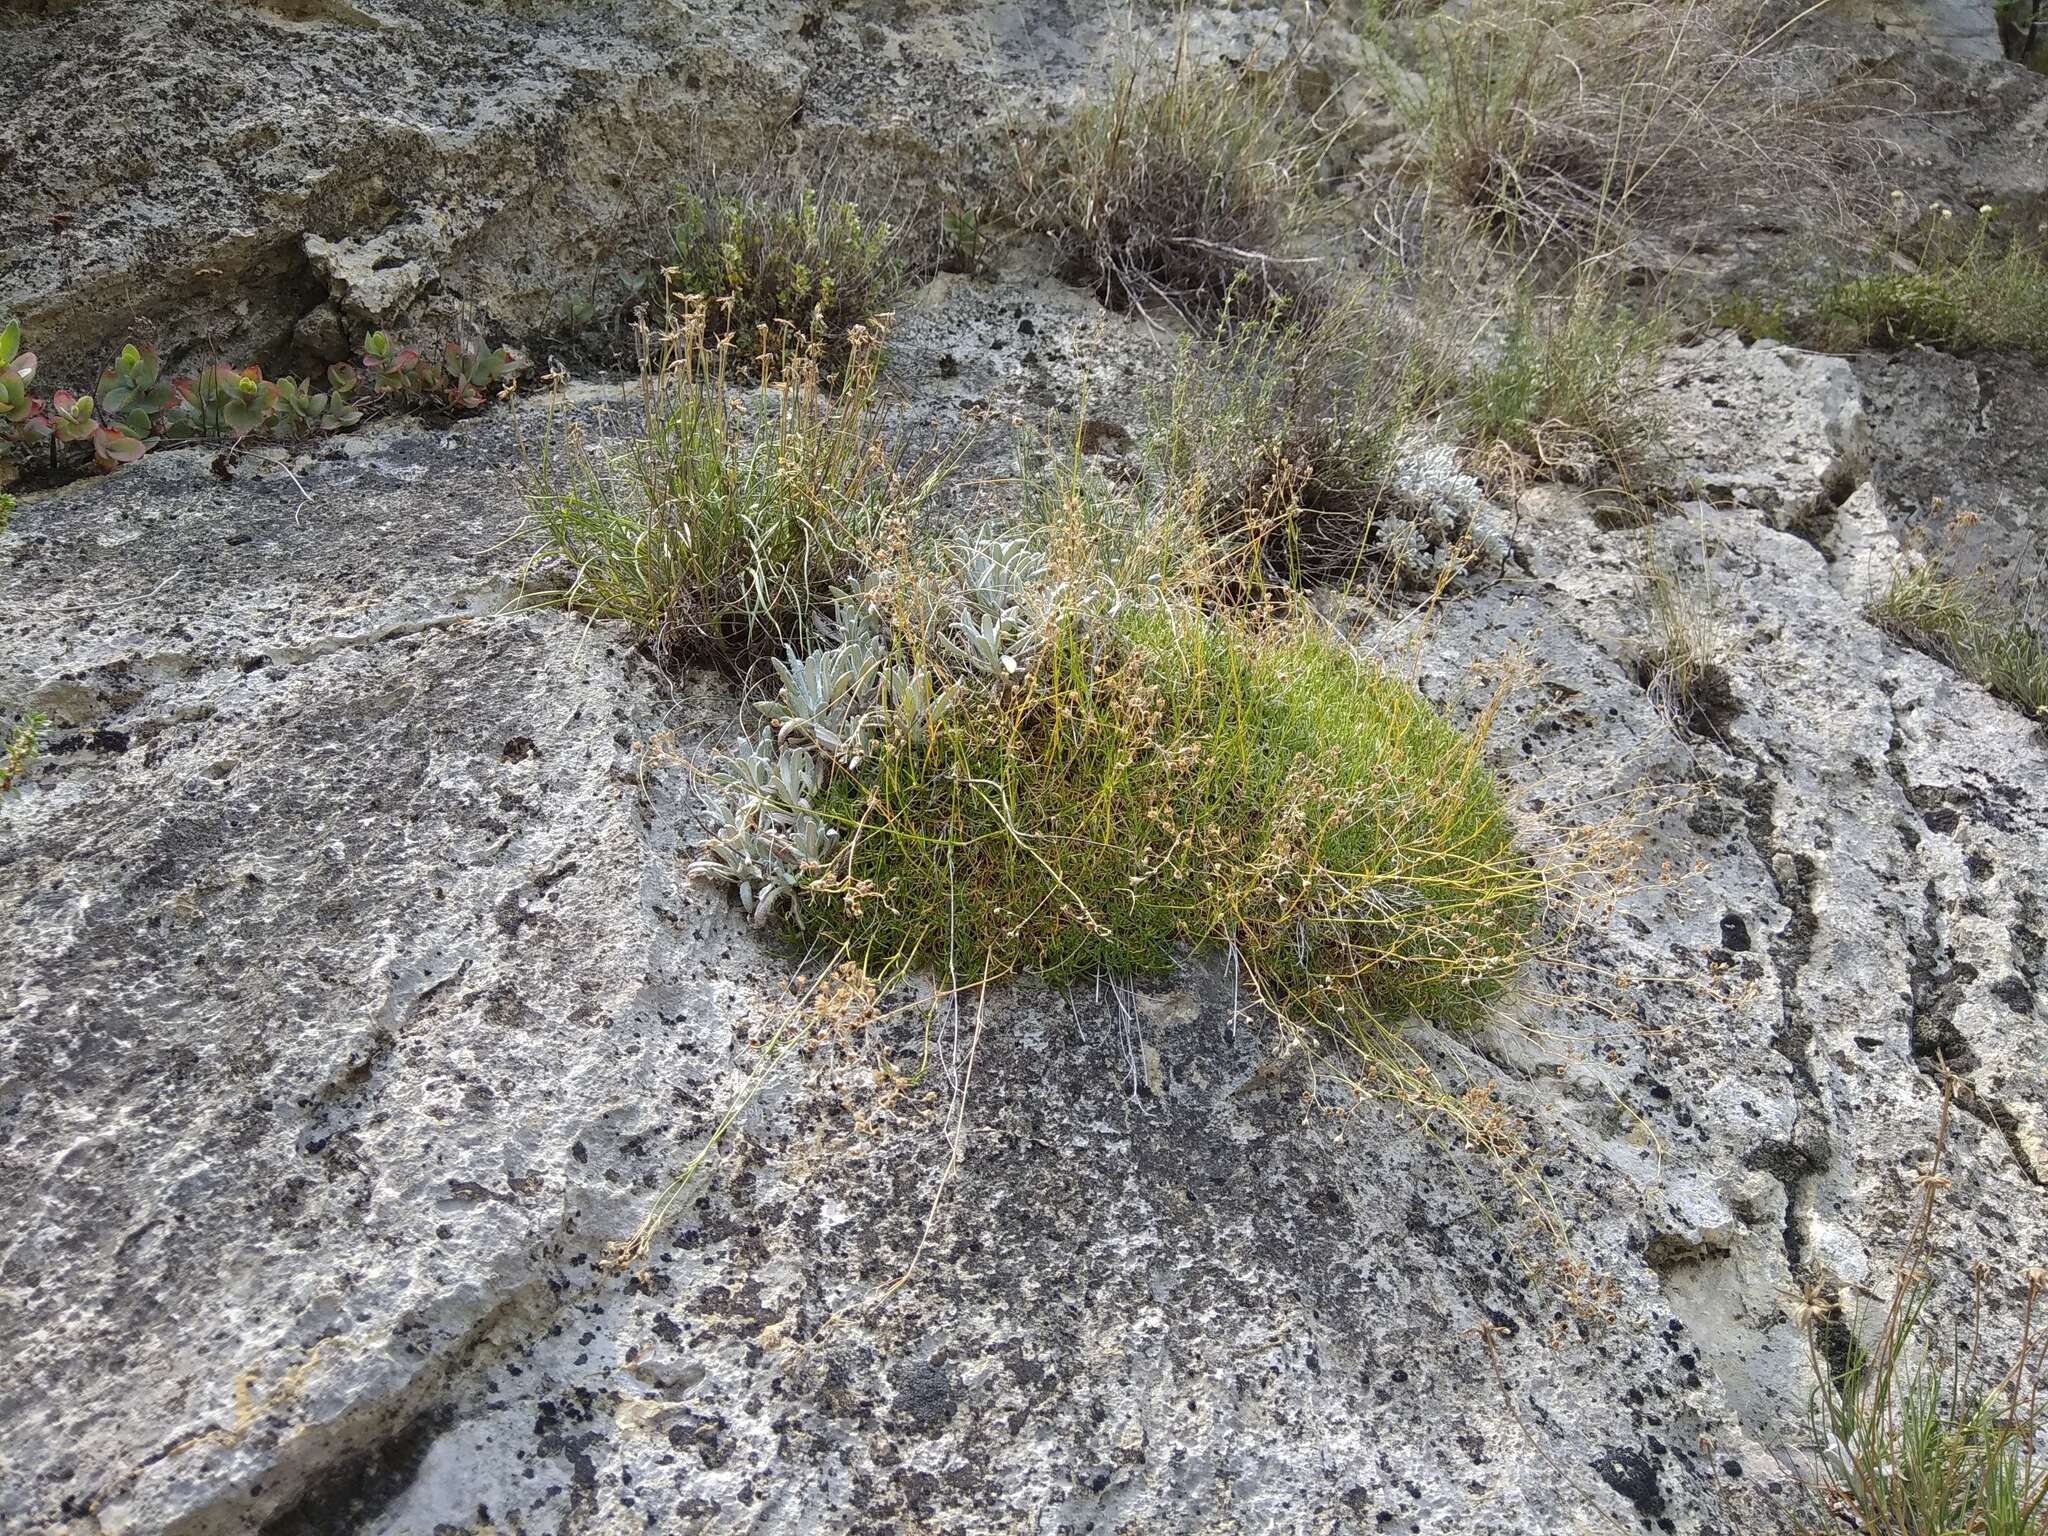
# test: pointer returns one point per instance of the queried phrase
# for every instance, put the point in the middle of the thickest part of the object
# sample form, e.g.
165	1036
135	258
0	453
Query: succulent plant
134	391
136	407
301	410
456	377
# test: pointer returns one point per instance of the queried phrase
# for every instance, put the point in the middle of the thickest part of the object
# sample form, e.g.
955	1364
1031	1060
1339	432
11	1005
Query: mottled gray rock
1968	28
258	181
357	1003
353	1003
1959	445
1776	429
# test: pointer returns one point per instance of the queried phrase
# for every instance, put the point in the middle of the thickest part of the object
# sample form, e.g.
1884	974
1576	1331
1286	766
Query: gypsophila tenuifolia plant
21	746
776	252
1176	194
6	510
1920	1429
1029	767
1293	447
723	519
137	407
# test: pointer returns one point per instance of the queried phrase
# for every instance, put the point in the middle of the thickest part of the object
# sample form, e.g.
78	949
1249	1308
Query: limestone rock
358	1003
354	1004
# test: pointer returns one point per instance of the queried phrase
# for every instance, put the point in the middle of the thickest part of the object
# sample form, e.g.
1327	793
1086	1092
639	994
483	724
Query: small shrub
1177	198
1567	392
719	526
1917	1433
1959	620
772	254
1756	318
1288	446
1004	764
21	747
6	510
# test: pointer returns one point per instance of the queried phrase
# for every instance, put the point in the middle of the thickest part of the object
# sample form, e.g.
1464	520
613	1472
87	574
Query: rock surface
437	165
1959	444
359	1004
354	1005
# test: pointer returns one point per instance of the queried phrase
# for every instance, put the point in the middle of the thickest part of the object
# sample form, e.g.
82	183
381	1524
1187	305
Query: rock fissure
1939	983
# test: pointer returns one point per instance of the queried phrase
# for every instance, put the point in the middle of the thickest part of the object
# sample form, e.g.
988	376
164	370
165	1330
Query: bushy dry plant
1571	121
774	250
1177	195
718	524
1278	442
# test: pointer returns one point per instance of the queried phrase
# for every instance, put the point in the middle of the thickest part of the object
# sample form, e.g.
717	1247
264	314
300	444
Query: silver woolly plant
767	837
837	697
828	696
1431	516
1000	592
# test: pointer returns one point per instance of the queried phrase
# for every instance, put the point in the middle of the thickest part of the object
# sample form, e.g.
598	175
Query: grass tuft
721	523
1567	392
1177	198
1921	1434
1958	620
1567	123
1284	445
1011	761
1949	283
1679	661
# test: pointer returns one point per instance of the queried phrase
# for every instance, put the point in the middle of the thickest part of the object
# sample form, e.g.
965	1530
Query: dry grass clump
719	524
1176	196
1569	121
1960	620
774	250
1283	444
1679	661
1567	395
